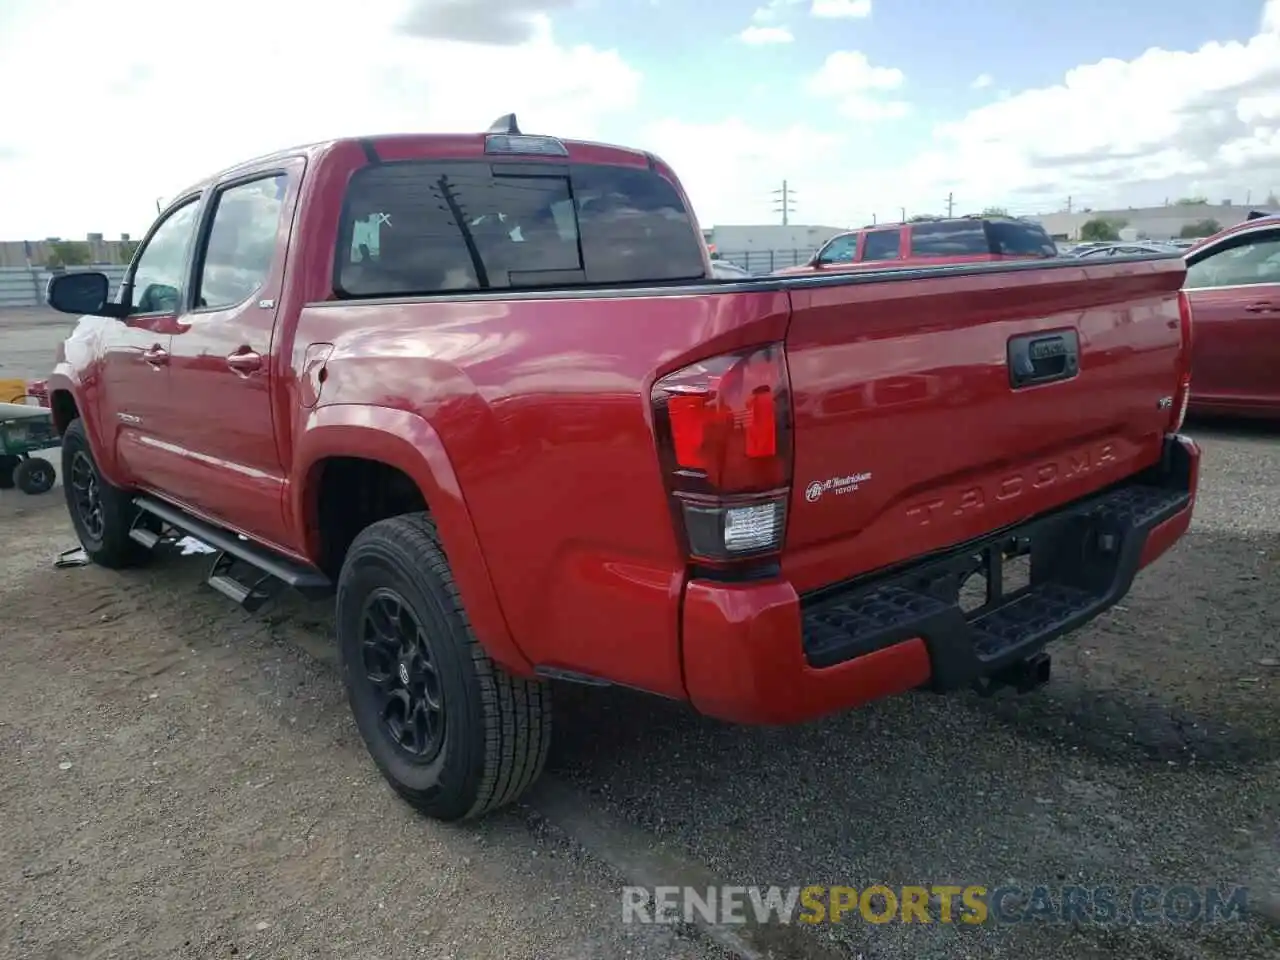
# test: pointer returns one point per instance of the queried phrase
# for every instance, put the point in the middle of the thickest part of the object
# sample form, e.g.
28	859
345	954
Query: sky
867	108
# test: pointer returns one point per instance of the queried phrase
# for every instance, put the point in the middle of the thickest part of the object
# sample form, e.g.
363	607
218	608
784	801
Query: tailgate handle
1036	358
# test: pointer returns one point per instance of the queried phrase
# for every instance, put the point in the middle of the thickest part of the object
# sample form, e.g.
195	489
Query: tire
105	538
8	464
35	475
489	742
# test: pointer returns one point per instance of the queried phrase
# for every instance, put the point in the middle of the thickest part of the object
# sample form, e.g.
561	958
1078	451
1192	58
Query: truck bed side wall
542	406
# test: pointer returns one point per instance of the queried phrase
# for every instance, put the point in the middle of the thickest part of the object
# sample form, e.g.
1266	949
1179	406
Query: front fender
406	441
65	379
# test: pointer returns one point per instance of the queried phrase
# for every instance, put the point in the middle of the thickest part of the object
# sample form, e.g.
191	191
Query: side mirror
82	293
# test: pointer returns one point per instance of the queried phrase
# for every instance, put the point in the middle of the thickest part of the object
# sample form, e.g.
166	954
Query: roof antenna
505	124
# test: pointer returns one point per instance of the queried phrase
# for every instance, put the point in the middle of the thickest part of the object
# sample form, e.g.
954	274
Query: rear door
1234	288
133	403
227	463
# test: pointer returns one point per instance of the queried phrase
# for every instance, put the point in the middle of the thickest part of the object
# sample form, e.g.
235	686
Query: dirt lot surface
181	779
28	339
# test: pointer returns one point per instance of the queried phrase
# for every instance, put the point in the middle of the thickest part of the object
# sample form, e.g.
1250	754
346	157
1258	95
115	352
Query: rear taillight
1183	396
724	438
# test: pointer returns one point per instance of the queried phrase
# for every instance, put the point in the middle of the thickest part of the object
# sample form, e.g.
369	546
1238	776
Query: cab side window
840	250
1254	261
881	245
161	266
242	242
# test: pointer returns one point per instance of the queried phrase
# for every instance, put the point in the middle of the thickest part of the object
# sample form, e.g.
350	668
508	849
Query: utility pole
1068	204
783	204
951	203
903	211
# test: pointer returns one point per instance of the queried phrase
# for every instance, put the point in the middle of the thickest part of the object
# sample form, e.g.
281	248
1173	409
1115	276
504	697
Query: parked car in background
1132	249
724	270
930	243
1233	283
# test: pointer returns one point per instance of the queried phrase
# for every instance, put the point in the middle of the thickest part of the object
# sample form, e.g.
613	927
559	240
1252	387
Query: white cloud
1129	132
104	137
858	87
1111	133
772	10
758	36
841	9
982	81
730	168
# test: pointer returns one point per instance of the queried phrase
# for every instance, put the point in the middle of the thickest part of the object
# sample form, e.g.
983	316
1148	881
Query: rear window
1017	238
422	227
950	238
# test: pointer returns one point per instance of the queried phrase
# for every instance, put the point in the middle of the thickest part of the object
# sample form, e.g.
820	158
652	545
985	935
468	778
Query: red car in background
932	242
1233	282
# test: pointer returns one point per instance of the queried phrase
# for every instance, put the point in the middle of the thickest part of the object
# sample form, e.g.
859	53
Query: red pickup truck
484	388
928	241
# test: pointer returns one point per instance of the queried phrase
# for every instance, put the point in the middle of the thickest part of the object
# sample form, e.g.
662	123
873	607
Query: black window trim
126	287
550	169
205	231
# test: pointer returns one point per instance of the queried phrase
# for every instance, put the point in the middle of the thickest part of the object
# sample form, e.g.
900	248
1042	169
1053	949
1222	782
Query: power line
783	204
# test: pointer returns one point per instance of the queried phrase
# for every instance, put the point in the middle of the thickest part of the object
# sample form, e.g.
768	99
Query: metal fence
766	261
25	286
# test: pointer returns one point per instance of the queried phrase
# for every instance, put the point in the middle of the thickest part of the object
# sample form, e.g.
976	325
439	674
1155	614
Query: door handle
157	356
245	362
1264	306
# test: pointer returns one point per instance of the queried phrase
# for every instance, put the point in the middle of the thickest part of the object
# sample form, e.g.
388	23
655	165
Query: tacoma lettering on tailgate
963	500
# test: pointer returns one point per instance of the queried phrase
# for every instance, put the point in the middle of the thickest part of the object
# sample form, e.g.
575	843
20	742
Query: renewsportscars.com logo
937	903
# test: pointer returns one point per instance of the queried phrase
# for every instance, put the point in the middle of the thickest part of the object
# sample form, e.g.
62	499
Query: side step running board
229	575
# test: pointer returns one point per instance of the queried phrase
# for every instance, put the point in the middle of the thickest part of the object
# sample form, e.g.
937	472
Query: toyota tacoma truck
484	390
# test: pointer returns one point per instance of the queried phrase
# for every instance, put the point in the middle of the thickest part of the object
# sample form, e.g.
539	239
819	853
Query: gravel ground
28	339
181	779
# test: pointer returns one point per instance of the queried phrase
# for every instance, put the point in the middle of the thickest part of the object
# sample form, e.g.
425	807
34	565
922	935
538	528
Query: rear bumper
760	653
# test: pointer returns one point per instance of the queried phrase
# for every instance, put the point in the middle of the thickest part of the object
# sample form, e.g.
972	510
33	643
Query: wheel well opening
63	407
354	493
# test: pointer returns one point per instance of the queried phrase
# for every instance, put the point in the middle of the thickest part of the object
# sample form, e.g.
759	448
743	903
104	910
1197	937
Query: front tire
101	514
452	732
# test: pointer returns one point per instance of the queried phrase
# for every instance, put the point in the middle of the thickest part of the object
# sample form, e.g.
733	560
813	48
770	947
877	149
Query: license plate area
992	576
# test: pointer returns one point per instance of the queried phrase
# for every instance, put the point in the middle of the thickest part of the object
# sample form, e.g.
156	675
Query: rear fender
406	441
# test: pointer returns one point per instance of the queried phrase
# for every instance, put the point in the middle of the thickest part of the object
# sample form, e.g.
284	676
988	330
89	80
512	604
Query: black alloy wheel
401	669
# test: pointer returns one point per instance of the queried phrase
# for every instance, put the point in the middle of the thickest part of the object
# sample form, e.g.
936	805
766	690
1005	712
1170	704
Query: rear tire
101	514
452	732
35	475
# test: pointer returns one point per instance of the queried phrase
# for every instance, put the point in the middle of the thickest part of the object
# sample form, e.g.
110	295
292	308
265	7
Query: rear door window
422	227
949	238
1018	238
881	245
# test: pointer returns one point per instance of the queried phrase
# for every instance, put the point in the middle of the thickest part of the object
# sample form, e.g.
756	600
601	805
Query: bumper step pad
1082	561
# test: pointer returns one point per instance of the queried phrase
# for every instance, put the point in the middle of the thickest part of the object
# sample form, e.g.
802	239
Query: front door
221	356
1235	310
132	401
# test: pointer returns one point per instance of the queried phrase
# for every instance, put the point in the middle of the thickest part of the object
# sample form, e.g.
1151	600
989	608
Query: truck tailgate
932	410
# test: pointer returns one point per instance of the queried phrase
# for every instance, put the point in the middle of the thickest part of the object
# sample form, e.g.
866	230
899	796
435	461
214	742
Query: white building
765	247
1145	223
